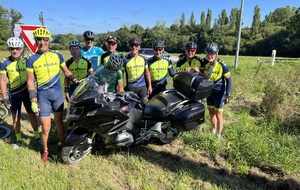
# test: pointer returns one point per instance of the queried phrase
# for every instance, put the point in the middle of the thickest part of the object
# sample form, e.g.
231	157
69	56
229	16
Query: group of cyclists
145	77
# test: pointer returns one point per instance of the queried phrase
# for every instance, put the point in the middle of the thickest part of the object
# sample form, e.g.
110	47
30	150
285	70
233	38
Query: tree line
279	30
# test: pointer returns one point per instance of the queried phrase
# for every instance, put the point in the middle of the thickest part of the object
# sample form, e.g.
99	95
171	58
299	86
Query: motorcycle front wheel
72	154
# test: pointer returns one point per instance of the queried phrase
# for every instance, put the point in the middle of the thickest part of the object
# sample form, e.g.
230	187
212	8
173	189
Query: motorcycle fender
76	136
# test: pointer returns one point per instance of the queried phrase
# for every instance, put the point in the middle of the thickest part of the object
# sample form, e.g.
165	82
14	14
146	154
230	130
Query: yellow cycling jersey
217	71
183	63
79	69
159	68
46	68
16	73
135	70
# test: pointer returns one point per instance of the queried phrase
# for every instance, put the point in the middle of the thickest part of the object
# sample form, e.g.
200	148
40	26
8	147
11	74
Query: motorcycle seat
162	105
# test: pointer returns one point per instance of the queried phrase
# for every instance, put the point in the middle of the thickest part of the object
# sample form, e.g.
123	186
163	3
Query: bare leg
220	124
58	118
213	118
46	125
33	121
16	123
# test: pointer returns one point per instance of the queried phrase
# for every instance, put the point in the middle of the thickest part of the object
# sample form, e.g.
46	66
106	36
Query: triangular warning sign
27	35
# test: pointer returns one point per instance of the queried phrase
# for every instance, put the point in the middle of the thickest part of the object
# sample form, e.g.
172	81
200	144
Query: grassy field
259	149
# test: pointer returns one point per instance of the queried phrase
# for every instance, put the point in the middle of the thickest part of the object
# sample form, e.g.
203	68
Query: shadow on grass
221	177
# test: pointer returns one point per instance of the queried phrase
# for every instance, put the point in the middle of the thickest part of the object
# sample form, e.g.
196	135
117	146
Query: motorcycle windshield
90	87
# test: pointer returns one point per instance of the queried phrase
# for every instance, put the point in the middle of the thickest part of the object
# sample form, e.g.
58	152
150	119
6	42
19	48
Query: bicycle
4	131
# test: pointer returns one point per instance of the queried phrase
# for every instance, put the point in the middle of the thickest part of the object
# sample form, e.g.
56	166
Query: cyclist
78	65
136	69
188	61
111	44
44	67
14	68
219	72
91	52
111	74
159	68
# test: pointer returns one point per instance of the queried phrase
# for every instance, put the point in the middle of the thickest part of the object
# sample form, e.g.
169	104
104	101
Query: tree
280	16
15	16
182	20
223	20
202	20
294	23
4	25
192	21
208	19
160	24
234	18
256	21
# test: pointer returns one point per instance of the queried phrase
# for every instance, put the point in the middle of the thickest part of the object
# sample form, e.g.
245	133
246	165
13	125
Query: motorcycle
121	120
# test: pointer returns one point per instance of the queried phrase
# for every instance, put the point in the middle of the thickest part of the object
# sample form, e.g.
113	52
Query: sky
65	16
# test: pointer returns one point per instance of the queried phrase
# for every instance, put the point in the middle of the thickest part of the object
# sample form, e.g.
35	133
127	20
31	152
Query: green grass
261	131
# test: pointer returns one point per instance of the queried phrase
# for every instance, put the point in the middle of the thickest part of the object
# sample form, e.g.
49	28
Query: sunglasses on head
191	50
134	45
13	48
158	49
40	39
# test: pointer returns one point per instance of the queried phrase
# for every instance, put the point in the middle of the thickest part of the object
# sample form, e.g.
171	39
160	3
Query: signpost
28	38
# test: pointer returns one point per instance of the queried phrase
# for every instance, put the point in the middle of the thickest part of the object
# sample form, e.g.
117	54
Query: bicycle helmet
211	48
74	43
115	62
41	33
190	44
14	42
134	41
88	34
158	44
111	39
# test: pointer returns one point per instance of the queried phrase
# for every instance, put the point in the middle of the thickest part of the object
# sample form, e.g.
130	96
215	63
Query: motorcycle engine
124	139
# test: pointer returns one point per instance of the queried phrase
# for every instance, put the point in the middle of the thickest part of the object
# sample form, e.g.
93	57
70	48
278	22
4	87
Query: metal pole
41	18
239	36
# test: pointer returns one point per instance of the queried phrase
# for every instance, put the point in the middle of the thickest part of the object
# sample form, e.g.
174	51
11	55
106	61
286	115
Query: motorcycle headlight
74	112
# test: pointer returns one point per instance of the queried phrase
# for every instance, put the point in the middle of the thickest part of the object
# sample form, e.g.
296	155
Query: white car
149	52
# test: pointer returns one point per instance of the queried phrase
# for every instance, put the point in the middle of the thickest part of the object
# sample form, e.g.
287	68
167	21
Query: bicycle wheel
3	112
4	132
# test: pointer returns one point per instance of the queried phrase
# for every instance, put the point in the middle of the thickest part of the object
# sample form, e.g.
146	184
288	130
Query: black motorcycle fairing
77	135
87	89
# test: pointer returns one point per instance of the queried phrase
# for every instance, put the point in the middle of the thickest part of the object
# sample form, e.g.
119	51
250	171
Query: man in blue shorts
219	72
44	67
14	68
91	52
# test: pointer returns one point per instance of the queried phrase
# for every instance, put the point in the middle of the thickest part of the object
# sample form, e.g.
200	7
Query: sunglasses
158	49
210	53
40	39
111	43
134	45
89	39
12	48
191	50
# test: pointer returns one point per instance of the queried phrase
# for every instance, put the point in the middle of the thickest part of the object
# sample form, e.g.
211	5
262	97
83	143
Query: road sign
27	35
